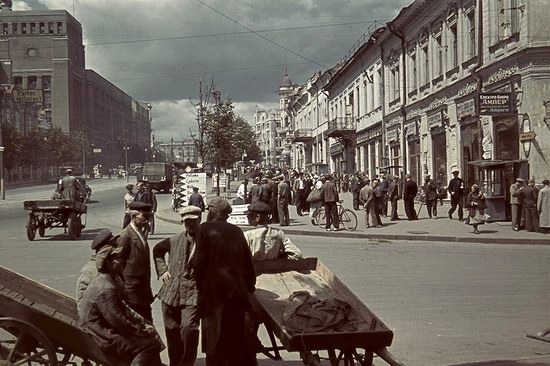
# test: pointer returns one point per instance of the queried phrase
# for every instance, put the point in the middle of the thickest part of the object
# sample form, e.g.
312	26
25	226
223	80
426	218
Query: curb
434	238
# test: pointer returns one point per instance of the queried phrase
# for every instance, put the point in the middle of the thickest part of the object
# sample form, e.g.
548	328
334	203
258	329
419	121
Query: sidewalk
425	229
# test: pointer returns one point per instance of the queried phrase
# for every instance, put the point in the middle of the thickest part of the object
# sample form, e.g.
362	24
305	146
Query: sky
159	51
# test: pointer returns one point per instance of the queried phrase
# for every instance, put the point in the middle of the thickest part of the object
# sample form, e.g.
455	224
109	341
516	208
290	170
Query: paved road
448	303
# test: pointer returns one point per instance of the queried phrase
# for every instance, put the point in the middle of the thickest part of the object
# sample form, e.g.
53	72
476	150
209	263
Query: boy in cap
123	336
128	198
89	271
179	290
137	274
225	279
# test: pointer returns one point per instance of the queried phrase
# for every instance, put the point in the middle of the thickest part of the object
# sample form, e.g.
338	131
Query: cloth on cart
310	314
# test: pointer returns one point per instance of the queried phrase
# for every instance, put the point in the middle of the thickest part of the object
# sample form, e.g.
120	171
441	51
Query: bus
158	175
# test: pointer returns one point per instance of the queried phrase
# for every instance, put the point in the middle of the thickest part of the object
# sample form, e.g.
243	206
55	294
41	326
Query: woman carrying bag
476	204
315	200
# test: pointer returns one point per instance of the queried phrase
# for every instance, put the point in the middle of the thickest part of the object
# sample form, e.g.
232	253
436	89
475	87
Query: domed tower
285	89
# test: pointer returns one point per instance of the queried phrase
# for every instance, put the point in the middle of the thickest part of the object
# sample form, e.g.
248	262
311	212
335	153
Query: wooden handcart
278	279
38	326
64	213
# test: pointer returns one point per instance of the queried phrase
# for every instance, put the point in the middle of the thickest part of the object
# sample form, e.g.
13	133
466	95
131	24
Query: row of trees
41	149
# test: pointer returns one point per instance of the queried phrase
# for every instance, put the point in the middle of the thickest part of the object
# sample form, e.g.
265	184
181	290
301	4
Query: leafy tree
12	140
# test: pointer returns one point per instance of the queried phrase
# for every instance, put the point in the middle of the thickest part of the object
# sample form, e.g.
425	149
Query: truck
158	175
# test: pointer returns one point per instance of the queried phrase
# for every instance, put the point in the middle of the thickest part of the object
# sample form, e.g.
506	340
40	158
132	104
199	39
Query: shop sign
527	136
435	120
466	108
27	95
547	116
495	104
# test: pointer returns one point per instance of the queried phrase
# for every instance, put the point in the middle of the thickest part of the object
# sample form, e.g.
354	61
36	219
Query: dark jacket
430	190
137	274
196	200
528	195
410	189
181	288
456	186
330	194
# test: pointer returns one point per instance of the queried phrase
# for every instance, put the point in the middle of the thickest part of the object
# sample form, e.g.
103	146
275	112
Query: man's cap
220	205
190	212
129	186
520	180
546	182
455	171
68	170
106	252
103	238
140	206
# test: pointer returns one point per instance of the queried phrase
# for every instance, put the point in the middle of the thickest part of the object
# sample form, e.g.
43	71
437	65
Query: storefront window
493	181
439	149
506	137
414	159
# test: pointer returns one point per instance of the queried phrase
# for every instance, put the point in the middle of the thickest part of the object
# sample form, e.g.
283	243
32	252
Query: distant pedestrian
429	193
330	198
410	189
384	186
355	188
128	198
298	188
377	203
528	196
283	199
543	207
393	196
254	194
516	204
456	189
316	199
154	203
196	199
365	197
476	204
242	192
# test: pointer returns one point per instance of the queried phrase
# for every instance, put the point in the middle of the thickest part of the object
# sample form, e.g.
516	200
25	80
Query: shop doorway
439	156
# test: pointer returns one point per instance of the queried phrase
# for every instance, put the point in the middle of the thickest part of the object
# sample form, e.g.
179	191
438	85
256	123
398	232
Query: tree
203	108
12	139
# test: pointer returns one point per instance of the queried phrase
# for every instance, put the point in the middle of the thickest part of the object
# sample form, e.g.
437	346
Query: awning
490	163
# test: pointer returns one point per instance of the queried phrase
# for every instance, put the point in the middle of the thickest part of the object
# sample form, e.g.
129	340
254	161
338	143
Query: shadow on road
506	363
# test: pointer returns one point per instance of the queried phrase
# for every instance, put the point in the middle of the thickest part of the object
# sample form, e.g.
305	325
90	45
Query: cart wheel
72	226
349	220
31	228
23	344
79	227
42	228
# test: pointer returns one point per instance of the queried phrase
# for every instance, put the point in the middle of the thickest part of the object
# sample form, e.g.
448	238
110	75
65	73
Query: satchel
441	193
314	196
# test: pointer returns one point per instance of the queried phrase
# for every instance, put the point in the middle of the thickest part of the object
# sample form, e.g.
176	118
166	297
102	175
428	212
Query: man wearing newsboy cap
89	271
225	279
179	291
137	274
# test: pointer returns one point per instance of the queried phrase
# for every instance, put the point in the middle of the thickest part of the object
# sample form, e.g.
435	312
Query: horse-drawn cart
38	326
277	283
65	213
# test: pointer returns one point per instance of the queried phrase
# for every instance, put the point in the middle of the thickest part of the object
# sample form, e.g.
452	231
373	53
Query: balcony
302	135
341	127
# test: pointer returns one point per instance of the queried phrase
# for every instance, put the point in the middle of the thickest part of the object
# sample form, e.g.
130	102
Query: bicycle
346	217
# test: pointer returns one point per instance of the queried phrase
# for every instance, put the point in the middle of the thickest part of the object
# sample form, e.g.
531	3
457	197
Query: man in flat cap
516	204
137	274
122	335
429	194
69	186
89	271
456	189
179	290
128	198
225	279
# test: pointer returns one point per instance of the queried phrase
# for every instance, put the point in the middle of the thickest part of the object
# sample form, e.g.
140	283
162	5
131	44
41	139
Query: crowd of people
207	282
274	190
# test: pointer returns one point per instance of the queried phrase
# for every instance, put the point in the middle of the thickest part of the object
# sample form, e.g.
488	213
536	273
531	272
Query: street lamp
2	186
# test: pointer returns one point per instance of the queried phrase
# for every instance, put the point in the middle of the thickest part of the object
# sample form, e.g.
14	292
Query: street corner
169	216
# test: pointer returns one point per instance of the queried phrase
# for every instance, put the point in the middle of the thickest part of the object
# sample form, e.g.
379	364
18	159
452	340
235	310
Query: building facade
269	131
42	51
454	84
179	151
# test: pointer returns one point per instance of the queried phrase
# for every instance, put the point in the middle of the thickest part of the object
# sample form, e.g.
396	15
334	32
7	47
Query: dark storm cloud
166	71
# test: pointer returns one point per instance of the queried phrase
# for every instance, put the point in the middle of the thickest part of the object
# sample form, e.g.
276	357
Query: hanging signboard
495	104
27	95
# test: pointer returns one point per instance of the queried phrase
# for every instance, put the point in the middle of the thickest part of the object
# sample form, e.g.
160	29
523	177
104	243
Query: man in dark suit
456	189
137	274
410	189
429	194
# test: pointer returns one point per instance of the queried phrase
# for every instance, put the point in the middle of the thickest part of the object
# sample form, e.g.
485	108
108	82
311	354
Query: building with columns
454	84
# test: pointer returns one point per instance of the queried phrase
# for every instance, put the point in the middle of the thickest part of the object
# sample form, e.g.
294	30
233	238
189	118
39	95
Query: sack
314	196
441	193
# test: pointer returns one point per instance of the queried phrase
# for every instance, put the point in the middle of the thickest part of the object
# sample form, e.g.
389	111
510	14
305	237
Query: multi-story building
42	51
455	84
268	132
179	151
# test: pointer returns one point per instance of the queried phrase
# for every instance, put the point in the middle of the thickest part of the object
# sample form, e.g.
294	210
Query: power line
169	38
263	37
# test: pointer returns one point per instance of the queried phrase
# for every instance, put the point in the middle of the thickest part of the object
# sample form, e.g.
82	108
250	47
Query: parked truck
158	175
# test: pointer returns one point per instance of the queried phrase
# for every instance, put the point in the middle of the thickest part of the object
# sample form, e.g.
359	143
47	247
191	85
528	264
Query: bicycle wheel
320	218
348	218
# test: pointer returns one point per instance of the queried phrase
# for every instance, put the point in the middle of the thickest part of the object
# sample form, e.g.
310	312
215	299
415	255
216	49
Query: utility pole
84	149
126	155
172	149
2	186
